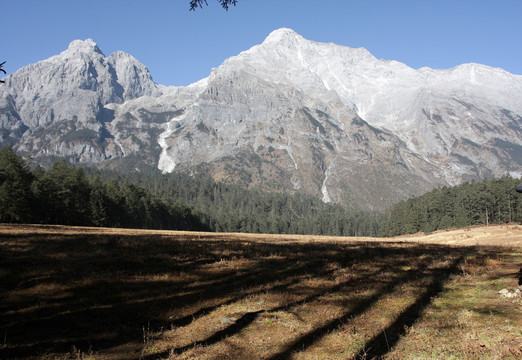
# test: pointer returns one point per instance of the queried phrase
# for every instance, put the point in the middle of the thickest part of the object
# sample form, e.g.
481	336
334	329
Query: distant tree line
74	196
148	199
491	201
226	207
65	195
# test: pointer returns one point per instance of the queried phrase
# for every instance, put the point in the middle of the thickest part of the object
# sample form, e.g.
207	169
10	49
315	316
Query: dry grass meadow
87	293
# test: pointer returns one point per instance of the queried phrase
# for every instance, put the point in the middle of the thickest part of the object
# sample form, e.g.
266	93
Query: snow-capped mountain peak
382	91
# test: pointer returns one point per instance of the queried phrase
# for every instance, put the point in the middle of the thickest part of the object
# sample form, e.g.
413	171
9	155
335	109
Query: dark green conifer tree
16	194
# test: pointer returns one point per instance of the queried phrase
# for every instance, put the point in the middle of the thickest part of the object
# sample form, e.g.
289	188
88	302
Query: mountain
286	115
56	107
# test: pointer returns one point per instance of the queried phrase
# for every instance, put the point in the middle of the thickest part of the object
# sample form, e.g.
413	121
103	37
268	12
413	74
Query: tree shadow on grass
92	291
230	330
248	317
382	343
96	292
310	338
359	308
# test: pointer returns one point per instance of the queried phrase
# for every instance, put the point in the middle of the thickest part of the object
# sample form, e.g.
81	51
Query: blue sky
180	46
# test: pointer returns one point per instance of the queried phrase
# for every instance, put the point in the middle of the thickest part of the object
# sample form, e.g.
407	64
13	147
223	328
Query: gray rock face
56	107
289	114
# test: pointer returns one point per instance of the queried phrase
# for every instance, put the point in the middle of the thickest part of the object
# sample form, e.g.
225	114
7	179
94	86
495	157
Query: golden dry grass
69	293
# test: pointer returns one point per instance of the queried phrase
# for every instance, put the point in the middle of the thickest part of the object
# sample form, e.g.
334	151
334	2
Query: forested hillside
74	196
225	207
65	195
232	208
492	201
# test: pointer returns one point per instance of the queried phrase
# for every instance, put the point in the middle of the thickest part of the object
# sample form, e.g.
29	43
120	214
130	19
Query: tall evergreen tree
15	188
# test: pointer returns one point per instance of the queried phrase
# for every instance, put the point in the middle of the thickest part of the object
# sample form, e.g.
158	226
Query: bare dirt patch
71	293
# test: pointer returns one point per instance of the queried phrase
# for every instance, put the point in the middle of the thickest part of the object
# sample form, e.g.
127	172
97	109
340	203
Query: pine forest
70	195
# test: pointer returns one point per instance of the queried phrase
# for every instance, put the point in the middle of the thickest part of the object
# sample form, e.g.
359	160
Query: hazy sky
181	46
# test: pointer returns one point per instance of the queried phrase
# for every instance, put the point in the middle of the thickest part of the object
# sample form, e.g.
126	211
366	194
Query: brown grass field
91	293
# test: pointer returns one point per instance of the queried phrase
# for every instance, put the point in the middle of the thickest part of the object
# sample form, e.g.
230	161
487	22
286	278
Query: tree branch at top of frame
225	4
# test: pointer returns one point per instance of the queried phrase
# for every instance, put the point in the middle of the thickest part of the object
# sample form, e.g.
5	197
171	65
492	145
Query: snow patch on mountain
167	162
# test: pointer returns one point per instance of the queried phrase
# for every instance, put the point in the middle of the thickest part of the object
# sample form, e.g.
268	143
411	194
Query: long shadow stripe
381	344
310	338
244	321
234	328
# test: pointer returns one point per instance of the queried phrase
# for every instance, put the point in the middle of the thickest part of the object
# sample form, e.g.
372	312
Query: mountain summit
82	46
288	114
280	35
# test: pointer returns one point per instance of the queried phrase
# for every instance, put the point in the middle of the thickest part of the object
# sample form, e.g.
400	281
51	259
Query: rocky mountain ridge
288	115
